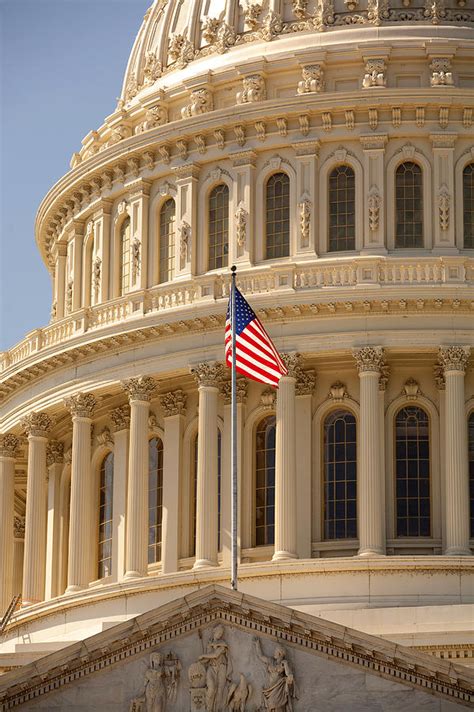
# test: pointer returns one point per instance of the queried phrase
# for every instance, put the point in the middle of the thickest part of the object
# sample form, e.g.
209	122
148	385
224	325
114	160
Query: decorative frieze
81	405
208	373
453	358
312	81
37	424
140	388
253	89
9	445
120	418
174	403
54	452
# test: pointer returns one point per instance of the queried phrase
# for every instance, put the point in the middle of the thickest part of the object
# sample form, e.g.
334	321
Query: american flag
255	355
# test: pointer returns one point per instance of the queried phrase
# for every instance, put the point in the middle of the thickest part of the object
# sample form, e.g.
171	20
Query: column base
73	588
458	551
204	564
133	575
371	552
284	556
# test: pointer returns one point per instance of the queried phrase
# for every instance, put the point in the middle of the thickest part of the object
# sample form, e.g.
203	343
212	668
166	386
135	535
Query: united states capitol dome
327	150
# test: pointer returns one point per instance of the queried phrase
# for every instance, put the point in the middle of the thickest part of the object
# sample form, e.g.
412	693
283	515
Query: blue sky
61	69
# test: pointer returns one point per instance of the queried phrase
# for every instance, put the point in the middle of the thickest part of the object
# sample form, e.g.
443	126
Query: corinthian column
140	391
453	360
285	463
55	462
370	485
37	427
174	410
8	452
81	517
208	377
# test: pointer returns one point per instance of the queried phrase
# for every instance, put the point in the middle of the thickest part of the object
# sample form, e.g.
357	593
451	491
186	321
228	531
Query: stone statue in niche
280	686
161	684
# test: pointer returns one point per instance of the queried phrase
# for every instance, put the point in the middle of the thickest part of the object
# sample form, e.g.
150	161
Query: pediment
217	649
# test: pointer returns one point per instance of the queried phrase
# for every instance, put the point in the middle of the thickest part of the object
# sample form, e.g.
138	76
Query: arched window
124	262
265	481
409	205
218	227
194	490
470	431
340	475
412	472
167	240
106	484
468	205
155	499
341	209
277	216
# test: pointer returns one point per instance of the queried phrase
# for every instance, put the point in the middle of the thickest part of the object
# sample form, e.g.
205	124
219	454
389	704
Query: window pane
468	205
412	472
167	241
106	483
155	498
277	216
218	227
340	476
124	263
265	481
409	205
341	209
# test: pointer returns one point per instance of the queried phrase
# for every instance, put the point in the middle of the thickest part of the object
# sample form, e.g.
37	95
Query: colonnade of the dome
305	490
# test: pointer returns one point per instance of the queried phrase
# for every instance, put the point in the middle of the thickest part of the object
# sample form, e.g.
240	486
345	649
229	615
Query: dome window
219	227
277	216
340	476
409	205
468	205
167	241
341	209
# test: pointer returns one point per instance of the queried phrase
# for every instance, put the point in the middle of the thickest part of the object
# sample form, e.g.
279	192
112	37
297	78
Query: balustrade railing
323	274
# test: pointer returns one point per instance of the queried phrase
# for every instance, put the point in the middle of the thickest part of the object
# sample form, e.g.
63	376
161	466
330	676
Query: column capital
226	390
140	388
293	363
369	358
54	453
38	424
174	403
453	358
9	445
208	373
19	527
81	405
120	418
305	382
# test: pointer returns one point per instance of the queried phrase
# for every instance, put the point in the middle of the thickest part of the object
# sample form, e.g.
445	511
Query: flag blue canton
244	314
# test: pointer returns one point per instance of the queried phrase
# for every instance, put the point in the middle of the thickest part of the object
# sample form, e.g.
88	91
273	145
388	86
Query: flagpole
233	440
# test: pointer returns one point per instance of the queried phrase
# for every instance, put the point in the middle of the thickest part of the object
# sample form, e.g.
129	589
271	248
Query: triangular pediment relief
217	649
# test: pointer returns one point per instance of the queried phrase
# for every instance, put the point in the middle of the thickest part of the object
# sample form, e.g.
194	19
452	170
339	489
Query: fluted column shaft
81	519
140	391
8	447
37	426
370	480
174	407
206	490
55	463
454	361
285	470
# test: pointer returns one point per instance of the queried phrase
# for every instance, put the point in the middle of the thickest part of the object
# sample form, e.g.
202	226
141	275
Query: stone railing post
81	517
8	452
453	360
370	494
140	391
37	426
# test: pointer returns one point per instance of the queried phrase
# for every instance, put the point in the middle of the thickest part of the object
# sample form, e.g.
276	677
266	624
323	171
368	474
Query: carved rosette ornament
37	424
19	527
140	388
120	418
226	390
369	358
81	405
174	403
54	453
208	374
9	444
453	358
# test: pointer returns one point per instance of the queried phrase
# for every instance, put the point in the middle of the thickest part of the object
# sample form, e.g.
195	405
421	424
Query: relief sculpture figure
218	671
280	689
